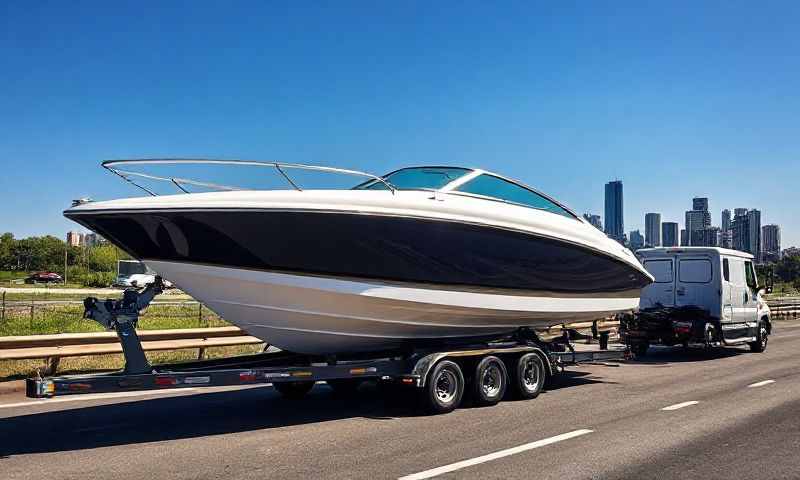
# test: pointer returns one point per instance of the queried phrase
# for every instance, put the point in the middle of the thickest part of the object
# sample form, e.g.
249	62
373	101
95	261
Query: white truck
701	295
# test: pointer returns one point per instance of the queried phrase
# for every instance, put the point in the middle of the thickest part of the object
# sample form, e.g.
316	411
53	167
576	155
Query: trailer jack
122	316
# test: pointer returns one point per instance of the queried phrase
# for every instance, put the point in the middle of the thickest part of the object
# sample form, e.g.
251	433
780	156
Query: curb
13	386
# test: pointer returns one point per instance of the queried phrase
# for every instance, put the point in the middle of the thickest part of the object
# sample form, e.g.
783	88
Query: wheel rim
530	375
764	337
491	381
446	386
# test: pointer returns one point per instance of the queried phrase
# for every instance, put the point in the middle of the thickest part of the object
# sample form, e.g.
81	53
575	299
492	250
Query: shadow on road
662	355
160	419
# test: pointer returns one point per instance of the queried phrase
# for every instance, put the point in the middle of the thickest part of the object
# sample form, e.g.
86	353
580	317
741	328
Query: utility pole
66	247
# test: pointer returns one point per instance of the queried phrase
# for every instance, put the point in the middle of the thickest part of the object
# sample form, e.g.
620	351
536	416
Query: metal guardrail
54	347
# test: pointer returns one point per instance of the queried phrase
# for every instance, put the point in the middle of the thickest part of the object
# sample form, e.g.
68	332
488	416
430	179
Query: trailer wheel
293	390
761	339
444	387
491	380
530	376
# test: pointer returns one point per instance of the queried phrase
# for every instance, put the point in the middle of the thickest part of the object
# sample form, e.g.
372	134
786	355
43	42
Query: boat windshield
417	178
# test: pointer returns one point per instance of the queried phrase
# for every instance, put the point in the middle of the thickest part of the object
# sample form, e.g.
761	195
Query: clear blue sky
677	99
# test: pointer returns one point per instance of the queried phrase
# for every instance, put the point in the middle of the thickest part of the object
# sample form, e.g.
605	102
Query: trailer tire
490	382
293	390
444	388
530	376
761	339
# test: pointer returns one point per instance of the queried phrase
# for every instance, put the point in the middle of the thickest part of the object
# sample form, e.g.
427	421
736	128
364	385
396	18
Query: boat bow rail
179	182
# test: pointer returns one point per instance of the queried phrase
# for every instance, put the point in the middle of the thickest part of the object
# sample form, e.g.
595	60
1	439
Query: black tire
530	376
761	339
345	386
490	382
709	337
293	390
444	388
640	349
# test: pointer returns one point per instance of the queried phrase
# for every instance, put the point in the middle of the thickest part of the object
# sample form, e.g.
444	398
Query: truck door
662	290
750	306
738	298
694	284
726	293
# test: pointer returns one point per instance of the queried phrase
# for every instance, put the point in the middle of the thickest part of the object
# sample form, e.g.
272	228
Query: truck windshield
417	178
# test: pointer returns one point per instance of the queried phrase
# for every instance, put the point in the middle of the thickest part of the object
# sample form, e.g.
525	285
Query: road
731	414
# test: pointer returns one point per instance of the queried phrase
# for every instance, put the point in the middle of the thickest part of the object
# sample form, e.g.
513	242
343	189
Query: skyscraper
615	227
771	246
594	220
652	229
700	203
697	220
726	220
669	234
636	240
754	232
74	239
684	240
740	228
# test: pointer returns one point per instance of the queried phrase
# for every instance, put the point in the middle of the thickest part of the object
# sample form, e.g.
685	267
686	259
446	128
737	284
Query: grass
49	319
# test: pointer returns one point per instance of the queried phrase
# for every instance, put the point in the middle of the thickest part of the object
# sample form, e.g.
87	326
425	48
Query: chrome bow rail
112	166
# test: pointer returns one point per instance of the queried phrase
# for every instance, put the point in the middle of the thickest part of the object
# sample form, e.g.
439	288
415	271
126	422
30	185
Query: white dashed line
680	405
494	456
760	384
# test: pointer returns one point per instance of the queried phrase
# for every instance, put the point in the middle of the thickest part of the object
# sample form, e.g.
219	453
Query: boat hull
319	315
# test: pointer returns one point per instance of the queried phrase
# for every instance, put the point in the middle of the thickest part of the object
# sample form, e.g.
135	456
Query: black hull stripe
368	246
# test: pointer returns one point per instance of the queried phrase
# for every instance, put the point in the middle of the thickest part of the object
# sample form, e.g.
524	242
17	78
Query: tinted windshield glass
496	187
417	178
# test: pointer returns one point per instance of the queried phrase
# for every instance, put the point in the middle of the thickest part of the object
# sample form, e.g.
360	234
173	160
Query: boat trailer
521	362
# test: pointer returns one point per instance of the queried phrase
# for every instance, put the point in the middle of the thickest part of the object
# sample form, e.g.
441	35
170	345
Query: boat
421	254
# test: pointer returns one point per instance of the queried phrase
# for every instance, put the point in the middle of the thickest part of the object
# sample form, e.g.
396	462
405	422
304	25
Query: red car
44	277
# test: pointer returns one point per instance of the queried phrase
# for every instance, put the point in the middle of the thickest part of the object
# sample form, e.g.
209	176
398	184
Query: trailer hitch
122	316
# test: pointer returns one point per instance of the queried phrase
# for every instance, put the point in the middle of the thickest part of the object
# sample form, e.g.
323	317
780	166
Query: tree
102	258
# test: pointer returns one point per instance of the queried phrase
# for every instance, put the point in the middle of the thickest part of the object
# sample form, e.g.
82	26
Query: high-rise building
740	230
684	238
710	237
636	240
697	220
670	234
700	203
652	229
74	239
594	220
771	243
727	239
615	225
92	239
726	220
754	220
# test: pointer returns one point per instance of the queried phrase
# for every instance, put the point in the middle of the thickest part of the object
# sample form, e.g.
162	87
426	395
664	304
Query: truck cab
721	283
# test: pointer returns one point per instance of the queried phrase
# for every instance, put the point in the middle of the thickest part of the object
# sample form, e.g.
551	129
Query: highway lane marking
680	405
494	456
760	384
97	396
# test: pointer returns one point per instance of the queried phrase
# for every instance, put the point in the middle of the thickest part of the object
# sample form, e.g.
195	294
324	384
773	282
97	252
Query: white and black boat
420	254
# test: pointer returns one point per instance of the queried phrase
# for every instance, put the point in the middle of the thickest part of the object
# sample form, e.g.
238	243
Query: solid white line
760	384
680	405
494	456
96	396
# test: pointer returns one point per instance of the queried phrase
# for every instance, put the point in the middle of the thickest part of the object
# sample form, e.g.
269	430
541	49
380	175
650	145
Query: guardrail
783	308
54	347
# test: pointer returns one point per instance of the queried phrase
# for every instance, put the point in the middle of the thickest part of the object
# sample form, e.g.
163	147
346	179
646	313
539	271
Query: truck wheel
491	380
444	387
293	390
761	339
530	376
710	337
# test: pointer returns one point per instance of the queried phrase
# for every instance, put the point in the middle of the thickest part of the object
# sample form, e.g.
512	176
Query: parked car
701	296
44	277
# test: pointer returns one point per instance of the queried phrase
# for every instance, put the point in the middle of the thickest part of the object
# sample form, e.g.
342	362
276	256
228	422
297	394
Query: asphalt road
599	421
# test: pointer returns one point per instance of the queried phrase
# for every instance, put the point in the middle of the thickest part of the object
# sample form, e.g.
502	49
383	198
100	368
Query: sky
676	99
